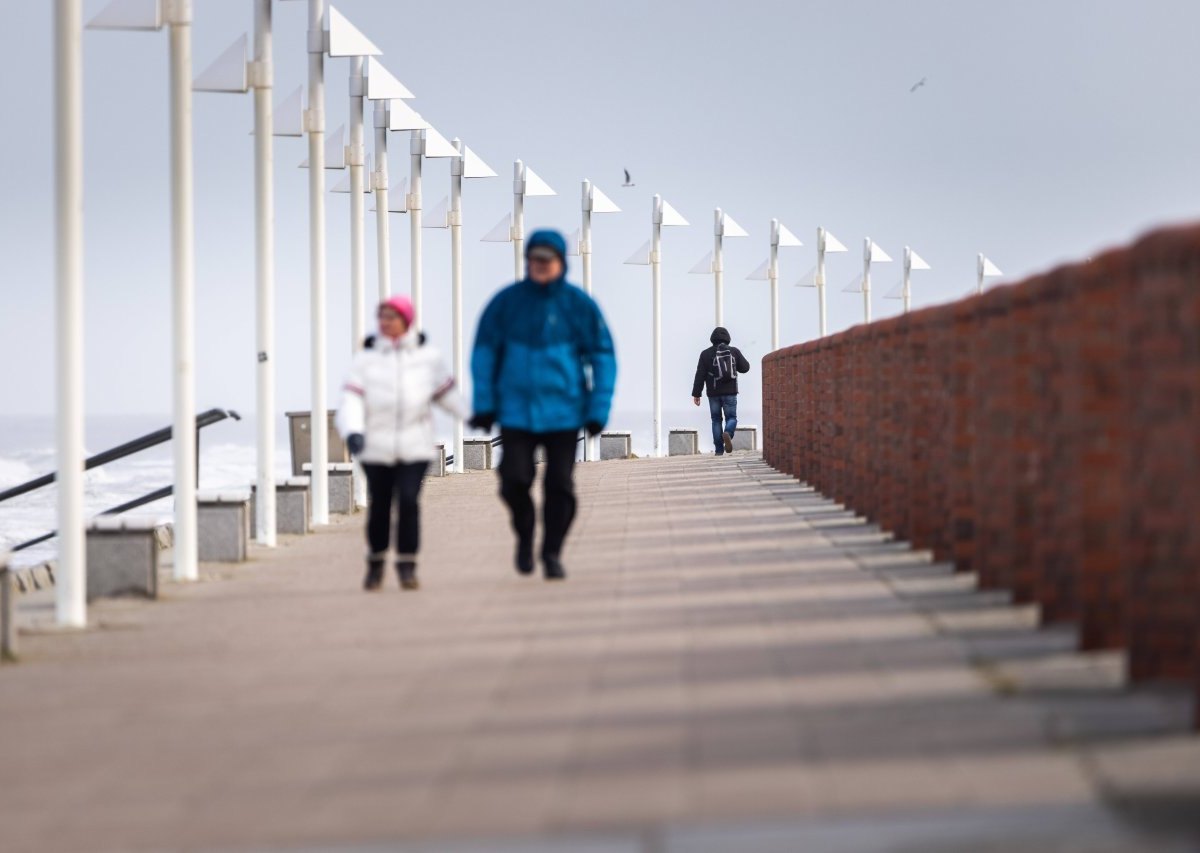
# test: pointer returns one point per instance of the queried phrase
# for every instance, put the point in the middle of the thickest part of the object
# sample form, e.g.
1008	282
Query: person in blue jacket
543	368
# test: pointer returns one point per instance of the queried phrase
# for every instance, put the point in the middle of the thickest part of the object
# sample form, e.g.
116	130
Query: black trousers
396	486
516	479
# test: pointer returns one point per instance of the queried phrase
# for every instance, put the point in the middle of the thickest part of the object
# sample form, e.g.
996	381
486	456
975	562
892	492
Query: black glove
482	421
355	443
593	428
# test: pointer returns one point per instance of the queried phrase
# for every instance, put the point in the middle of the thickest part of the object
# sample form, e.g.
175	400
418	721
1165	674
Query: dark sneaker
374	579
553	568
524	558
408	575
728	441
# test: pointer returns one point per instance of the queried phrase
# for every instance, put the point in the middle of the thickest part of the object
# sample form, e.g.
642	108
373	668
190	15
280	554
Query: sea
227	461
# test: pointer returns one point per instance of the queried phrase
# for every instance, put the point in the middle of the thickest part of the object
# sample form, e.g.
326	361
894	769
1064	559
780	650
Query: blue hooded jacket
533	349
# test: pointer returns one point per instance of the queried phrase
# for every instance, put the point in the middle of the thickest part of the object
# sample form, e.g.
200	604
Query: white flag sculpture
714	263
511	229
593	201
651	254
872	254
903	288
466	165
152	15
985	269
826	244
424	142
768	270
388	95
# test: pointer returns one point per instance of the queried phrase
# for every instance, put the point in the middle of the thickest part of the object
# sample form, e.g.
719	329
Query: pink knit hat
402	305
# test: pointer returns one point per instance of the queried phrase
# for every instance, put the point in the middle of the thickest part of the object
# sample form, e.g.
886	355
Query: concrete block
683	442
291	505
8	610
437	468
300	436
616	445
746	437
341	486
122	557
222	518
477	454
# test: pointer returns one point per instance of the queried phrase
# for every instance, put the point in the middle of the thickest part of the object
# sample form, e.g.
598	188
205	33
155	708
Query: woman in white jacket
387	421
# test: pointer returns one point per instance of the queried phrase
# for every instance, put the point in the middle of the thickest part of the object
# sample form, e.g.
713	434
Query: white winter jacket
388	397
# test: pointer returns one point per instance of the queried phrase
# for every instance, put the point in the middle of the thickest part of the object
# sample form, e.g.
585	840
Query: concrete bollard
745	437
223	519
341	486
291	505
683	442
8	610
437	467
616	445
477	454
122	557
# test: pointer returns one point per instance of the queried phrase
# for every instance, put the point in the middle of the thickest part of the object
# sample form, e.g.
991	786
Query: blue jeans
717	406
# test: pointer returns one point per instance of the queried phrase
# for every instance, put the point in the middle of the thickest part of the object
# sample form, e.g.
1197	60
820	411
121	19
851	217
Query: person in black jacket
717	371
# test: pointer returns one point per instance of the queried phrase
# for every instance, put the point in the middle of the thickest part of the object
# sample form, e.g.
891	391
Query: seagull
917	85
628	181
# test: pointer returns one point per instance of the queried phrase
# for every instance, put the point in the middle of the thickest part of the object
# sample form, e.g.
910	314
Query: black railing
145	442
496	442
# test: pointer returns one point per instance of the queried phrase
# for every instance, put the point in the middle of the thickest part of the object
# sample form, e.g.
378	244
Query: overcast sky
1048	129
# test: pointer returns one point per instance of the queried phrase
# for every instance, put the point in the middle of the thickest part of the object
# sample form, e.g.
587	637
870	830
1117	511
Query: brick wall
1045	435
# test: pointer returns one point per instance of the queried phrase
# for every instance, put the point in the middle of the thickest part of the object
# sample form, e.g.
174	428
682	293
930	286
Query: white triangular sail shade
438	216
641	257
762	272
227	73
878	255
573	243
787	238
916	262
128	15
474	167
289	114
397	197
502	233
671	216
855	285
833	244
809	279
381	85
404	117
345	39
437	145
335	150
602	203
343	186
704	266
729	228
989	269
896	291
534	185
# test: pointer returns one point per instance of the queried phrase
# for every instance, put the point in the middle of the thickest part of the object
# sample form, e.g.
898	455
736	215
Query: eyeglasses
542	257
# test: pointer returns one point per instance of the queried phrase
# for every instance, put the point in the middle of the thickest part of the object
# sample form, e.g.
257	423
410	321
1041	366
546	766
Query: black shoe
727	439
407	570
553	568
524	558
374	579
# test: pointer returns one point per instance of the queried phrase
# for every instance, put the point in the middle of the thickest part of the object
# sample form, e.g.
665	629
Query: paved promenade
735	664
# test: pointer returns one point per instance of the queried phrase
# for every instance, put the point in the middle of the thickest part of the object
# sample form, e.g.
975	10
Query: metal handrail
137	445
496	442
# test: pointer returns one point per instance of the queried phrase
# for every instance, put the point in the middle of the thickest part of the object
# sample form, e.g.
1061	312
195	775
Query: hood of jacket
720	335
551	239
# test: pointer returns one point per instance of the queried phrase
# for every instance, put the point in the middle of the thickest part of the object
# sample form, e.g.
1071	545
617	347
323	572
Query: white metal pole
979	273
656	280
315	122
356	160
718	267
904	287
383	243
264	309
820	281
70	589
417	151
866	282
183	292
590	443
773	275
518	224
456	183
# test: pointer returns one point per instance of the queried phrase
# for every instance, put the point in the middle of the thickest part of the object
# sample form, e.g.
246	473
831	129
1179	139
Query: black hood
720	335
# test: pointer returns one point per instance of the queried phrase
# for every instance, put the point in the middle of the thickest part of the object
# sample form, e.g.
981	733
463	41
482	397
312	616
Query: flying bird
917	85
628	180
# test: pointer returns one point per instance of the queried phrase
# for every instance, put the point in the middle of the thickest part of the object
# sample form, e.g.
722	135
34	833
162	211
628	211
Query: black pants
399	484
516	479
